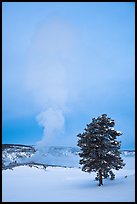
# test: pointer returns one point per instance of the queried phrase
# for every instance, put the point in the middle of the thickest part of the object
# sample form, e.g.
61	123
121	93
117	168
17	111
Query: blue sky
62	65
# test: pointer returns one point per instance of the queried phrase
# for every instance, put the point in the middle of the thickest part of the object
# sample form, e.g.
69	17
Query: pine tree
100	150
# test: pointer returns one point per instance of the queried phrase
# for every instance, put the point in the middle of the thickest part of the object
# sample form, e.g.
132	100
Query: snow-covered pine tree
100	150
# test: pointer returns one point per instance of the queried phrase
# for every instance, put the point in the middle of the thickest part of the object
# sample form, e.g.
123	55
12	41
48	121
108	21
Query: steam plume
51	54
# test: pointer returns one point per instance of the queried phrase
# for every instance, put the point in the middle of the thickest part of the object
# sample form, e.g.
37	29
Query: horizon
57	146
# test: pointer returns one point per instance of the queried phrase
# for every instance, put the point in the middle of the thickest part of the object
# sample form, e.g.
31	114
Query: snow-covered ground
58	184
13	155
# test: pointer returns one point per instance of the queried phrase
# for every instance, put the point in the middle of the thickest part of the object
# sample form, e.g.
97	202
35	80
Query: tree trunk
100	178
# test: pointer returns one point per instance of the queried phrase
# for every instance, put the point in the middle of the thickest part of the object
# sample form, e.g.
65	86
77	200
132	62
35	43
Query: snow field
57	184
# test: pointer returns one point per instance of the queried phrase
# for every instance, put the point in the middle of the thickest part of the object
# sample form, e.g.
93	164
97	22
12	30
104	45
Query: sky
64	63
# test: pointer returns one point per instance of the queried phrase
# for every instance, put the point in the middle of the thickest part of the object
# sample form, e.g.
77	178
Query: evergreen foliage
100	150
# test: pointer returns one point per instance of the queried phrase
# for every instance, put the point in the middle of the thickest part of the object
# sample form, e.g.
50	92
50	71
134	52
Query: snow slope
13	155
58	184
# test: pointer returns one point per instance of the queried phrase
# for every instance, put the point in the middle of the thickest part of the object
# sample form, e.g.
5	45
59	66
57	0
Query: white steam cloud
48	76
52	120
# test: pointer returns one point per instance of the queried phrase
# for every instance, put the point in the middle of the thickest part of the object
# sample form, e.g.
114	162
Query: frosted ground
59	184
